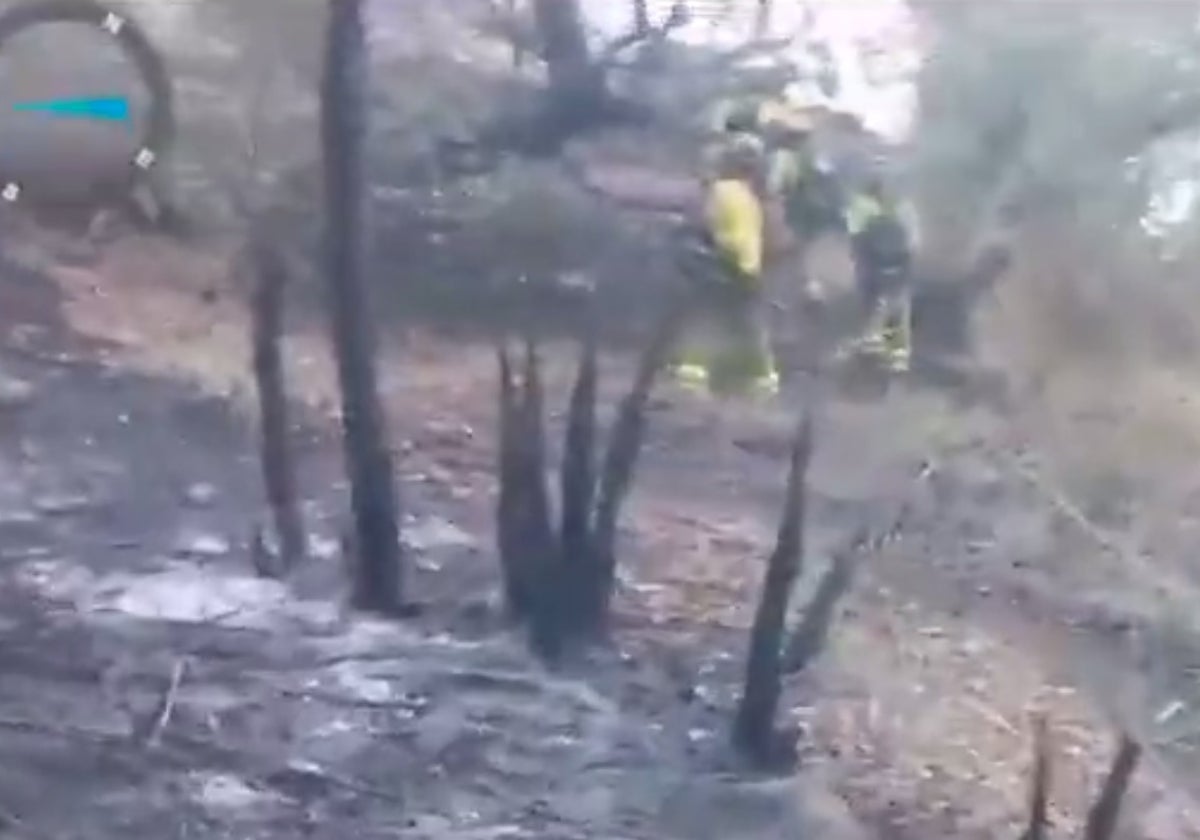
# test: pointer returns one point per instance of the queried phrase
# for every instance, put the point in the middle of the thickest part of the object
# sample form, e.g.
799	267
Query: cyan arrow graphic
113	108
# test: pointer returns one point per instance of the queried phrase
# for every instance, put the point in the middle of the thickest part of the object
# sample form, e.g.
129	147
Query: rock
200	494
17	517
61	504
203	546
229	793
783	808
433	533
588	806
323	548
438	730
14	393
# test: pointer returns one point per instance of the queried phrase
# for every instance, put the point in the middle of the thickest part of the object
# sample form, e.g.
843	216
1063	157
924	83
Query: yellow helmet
780	116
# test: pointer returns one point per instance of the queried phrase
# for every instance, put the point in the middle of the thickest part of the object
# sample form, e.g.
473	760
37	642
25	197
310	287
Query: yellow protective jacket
734	217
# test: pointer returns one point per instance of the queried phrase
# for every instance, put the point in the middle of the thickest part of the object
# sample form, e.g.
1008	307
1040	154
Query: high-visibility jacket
735	221
863	209
882	231
788	169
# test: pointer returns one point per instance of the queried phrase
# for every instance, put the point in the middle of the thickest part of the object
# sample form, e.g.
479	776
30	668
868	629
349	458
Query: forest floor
153	683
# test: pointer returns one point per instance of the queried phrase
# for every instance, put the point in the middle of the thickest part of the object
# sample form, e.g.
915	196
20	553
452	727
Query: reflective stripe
862	210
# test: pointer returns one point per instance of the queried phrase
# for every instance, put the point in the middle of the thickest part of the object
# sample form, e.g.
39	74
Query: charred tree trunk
1102	820
518	48
754	732
810	636
560	580
578	483
762	21
527	544
518	588
1039	794
641	17
564	46
379	579
620	464
278	466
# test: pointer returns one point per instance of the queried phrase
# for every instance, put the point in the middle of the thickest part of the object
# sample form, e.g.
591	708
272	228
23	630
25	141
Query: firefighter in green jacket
882	236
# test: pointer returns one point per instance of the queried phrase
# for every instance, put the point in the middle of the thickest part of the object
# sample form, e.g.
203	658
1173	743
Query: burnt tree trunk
641	17
564	45
577	96
559	571
578	482
1102	819
619	467
1039	793
812	633
754	732
526	539
379	577
518	586
278	466
762	21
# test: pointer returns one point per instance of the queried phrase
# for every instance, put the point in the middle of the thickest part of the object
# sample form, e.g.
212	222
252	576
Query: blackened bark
641	17
379	580
812	633
762	21
278	466
578	492
1102	820
524	527
564	45
533	436
579	460
538	543
754	731
1039	793
518	589
620	464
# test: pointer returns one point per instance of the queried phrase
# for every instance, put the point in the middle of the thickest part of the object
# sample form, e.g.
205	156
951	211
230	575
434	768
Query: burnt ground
152	684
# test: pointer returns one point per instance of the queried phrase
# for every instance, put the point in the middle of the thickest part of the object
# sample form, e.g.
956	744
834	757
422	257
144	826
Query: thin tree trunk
641	17
278	467
563	42
1039	793
379	582
754	731
762	22
1102	820
518	49
620	465
812	632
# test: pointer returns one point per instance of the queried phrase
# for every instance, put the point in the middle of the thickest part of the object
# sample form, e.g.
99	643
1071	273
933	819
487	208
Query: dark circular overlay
159	128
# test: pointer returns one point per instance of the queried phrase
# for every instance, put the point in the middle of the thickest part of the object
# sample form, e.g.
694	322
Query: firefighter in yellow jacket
882	237
726	349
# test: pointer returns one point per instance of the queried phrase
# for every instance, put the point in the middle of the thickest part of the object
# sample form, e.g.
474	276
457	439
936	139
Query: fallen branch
167	706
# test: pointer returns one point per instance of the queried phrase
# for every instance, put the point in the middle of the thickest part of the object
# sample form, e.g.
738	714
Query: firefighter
791	182
736	124
726	350
882	234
